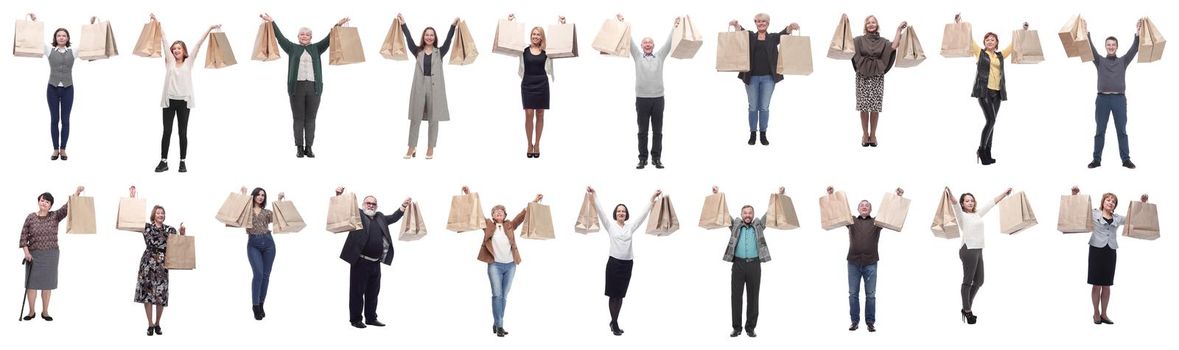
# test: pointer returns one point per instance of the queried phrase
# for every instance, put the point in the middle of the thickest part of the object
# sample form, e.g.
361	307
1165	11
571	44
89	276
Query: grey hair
762	15
304	30
868	203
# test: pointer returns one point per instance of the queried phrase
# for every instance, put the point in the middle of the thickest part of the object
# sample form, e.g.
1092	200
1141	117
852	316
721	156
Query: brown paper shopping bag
893	211
1075	38
538	223
1015	214
343	214
956	40
394	46
794	55
80	218
265	44
98	41
732	51
466	214
509	38
412	226
834	211
715	213
219	54
685	39
28	39
1142	221
149	44
180	252
286	218
1076	214
909	52
662	221
587	217
463	50
235	211
345	46
1150	42
945	219
780	214
843	45
131	215
613	39
562	40
1026	47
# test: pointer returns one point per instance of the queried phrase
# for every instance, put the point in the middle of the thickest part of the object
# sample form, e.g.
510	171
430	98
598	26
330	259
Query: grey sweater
649	69
1111	72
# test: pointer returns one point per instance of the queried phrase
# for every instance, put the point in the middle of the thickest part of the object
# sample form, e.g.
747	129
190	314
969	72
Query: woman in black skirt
535	71
621	262
1103	254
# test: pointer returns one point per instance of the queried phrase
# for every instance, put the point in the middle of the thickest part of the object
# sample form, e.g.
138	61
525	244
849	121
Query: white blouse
500	246
178	80
971	224
620	237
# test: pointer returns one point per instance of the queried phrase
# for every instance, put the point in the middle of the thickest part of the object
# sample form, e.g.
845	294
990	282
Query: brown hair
992	34
422	41
499	207
153	213
1109	195
60	30
962	199
182	47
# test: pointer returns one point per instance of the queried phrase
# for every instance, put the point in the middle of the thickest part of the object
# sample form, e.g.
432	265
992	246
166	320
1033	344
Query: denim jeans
759	90
868	274
61	102
500	275
260	251
1107	104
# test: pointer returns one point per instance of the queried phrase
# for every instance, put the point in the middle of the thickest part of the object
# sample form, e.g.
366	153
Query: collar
1112	57
864	217
651	55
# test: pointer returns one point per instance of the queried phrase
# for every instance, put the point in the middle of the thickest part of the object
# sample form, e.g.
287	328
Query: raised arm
896	41
413	49
449	35
392	218
666	48
1133	51
645	210
283	43
201	42
603	215
1011	44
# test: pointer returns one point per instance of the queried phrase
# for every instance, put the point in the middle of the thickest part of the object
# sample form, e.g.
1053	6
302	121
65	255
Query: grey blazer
759	228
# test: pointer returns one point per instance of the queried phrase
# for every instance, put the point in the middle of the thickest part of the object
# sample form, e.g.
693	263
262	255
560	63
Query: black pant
990	106
364	286
972	274
746	274
175	108
304	105
650	111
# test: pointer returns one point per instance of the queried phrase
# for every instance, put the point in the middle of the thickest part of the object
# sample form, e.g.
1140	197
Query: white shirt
620	236
178	80
500	246
971	224
306	69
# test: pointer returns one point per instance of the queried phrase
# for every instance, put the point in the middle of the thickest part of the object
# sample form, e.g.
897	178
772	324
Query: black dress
534	88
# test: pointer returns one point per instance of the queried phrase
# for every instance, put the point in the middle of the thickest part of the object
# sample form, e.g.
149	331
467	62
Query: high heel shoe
151	331
863	141
963	311
56	154
1106	321
1096	320
614	329
872	141
158	331
64	156
411	155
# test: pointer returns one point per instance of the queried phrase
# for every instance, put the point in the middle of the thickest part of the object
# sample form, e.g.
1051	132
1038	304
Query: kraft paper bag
662	221
509	38
287	218
98	42
587	217
1076	214
562	40
80	217
909	52
715	213
1026	47
28	39
1015	214
463	50
834	211
780	214
265	44
412	226
1142	221
132	214
394	46
538	222
893	211
1075	38
945	219
219	54
1150	42
235	211
343	214
149	44
345	46
794	55
956	40
613	38
180	252
732	51
466	214
685	39
843	45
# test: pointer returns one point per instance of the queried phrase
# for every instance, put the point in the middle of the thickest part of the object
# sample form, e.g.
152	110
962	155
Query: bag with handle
562	40
1026	47
1150	42
394	46
1075	38
794	55
286	217
28	39
715	213
662	221
131	215
219	54
956	40
98	41
587	217
834	211
149	44
893	211
509	38
909	52
685	39
466	214
180	252
732	51
235	211
1142	221
346	47
463	50
780	214
265	44
538	222
843	45
1076	214
80	217
412	226
613	39
945	219
343	214
1015	214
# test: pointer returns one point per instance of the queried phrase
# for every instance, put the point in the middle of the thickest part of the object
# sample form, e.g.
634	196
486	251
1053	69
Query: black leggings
990	105
175	108
972	274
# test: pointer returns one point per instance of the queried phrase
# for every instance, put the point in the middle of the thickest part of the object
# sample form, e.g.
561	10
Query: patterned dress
152	287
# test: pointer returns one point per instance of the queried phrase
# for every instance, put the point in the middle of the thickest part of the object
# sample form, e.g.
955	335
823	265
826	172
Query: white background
437	294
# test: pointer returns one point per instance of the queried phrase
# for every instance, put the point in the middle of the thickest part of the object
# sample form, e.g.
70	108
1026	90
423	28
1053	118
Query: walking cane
23	297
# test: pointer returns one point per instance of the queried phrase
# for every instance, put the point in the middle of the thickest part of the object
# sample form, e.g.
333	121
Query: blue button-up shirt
746	243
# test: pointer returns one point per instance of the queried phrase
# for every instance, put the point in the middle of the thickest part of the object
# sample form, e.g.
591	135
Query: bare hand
620	18
466	190
677	22
399	18
33	17
538	198
1139	24
28	257
183	230
79	190
339	190
282	195
511	17
266	17
589	189
456	21
133	191
342	21
900	192
843	17
406	203
734	23
904	24
214	27
656	195
1076	190
782	190
1145	197
957	18
93	19
1007	192
714	189
830	190
1025	25
243	189
793	27
152	17
561	19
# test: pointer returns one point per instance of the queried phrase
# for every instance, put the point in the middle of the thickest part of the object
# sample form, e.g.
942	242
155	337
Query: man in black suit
365	249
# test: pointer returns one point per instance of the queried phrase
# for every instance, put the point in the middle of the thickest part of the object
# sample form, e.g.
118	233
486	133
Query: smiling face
747	214
1109	202
429	37
648	46
43	203
157	215
870	25
968	203
621	213
179	52
1111	47
537	36
864	208
304	36
498	214
61	37
991	41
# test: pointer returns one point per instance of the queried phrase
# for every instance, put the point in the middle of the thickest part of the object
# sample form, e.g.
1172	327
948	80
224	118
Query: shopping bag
843	45
538	222
1026	47
394	46
1015	214
834	211
265	44
466	214
1075	38
780	213
794	55
662	221
28	39
732	51
715	213
219	54
613	39
343	214
909	52
956	40
1150	42
463	50
180	252
412	226
893	211
587	217
286	217
131	215
509	38
235	211
149	44
562	40
98	42
80	217
1076	214
685	39
945	219
1142	221
345	46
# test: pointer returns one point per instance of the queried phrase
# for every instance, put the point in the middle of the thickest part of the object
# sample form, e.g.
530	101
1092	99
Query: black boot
262	309
764	140
162	167
257	312
308	152
300	152
987	154
752	138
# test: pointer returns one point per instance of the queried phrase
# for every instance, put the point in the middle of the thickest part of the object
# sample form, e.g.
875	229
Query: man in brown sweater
862	255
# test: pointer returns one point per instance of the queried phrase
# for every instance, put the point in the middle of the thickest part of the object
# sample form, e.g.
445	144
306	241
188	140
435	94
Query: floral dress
152	286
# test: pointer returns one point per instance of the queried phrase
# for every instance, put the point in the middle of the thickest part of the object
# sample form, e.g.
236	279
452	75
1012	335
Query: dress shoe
1125	163
1106	321
735	333
182	168
750	333
764	142
752	141
308	152
499	332
376	323
871	327
854	327
49	318
658	164
1094	164
502	330
262	309
157	329
642	164
30	316
358	324
151	331
614	329
1096	320
301	152
162	167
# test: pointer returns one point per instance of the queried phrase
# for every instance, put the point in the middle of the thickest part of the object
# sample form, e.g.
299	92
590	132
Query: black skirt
618	277
1102	263
534	91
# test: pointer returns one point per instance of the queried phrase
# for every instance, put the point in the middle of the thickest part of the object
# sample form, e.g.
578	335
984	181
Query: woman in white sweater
970	221
621	262
177	98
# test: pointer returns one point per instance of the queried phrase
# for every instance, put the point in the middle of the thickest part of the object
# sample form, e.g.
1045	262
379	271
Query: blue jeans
1107	104
759	90
500	275
61	102
260	251
868	274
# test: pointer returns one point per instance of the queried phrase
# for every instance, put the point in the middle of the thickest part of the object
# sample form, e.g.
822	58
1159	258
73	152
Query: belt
746	260
1111	93
370	259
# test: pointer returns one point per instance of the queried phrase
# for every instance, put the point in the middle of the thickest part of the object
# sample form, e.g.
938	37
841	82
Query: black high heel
151	330
963	315
614	329
158	331
1096	320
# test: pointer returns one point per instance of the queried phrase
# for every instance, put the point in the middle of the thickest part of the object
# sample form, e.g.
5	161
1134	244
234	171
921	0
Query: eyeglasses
371	203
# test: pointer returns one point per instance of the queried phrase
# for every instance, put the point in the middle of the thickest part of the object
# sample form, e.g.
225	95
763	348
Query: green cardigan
294	52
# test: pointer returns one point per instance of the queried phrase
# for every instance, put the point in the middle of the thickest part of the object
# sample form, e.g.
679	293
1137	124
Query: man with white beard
365	249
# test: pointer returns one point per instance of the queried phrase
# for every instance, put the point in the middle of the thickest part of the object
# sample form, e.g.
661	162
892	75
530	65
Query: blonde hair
1109	195
543	42
762	15
866	23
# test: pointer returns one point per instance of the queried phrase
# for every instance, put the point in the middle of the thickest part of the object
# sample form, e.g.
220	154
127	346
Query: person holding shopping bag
1103	252
970	221
873	58
1111	96
60	92
536	69
863	253
762	75
178	97
260	248
990	86
498	250
649	100
747	250
38	240
365	250
427	96
151	288
621	229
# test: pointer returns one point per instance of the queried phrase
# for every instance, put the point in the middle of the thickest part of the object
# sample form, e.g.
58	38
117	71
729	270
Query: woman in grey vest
427	97
60	90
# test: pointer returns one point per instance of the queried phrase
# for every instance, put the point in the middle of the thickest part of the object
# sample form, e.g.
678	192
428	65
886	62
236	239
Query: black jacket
356	238
772	40
984	73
